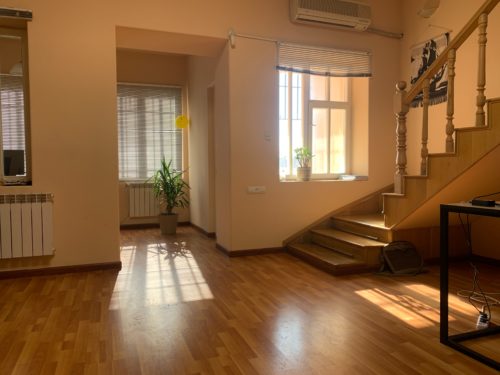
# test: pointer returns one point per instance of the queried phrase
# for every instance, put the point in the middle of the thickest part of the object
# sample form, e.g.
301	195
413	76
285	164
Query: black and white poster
422	56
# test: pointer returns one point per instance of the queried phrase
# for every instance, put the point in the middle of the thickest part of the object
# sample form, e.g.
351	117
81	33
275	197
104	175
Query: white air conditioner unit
346	14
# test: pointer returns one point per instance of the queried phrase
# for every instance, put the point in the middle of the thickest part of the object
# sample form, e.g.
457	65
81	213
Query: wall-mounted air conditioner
346	14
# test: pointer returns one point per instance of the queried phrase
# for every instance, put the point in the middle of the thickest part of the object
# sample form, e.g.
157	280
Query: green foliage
304	156
169	186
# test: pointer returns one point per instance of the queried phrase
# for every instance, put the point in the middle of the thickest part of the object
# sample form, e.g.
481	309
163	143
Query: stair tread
372	220
326	255
348	237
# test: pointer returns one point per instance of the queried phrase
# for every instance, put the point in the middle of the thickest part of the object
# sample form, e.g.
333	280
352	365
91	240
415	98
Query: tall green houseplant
171	189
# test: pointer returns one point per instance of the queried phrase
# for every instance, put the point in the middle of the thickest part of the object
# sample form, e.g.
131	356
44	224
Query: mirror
13	84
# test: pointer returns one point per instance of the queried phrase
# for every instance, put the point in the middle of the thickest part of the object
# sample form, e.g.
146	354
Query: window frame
307	126
27	179
183	138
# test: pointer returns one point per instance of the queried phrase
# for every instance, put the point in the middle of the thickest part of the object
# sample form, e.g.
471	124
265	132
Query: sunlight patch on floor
171	276
403	306
455	303
288	332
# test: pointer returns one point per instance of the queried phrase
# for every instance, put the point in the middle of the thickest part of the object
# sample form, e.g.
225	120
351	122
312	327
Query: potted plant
304	157
171	189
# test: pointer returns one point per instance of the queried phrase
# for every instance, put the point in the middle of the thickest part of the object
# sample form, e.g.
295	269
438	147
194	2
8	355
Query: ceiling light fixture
430	6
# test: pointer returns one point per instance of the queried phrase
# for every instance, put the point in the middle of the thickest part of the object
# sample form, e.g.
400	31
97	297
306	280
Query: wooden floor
179	306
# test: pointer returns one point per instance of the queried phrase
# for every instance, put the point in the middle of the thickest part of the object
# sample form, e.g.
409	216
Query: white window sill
342	178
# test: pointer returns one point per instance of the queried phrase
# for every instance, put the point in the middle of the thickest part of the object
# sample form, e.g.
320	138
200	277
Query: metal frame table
454	341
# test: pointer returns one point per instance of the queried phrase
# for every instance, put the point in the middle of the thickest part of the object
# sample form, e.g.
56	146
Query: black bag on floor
401	258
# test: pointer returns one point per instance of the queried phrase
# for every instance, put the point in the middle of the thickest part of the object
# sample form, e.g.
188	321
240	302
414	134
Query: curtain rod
232	35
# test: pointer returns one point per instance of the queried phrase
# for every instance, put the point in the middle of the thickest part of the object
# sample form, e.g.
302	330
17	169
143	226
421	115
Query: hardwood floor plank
179	306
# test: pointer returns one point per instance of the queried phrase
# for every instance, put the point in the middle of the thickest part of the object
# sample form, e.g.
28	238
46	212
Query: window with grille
146	129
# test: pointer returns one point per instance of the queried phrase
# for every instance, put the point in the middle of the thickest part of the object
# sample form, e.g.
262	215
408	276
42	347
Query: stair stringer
471	145
366	204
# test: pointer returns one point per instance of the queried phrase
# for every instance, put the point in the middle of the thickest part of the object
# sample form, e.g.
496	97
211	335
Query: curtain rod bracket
231	37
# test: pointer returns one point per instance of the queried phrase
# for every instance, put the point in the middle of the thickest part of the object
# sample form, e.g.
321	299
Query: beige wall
73	90
359	132
151	68
451	15
201	77
223	224
73	132
264	220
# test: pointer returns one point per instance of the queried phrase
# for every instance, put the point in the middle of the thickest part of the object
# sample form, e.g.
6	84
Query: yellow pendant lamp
181	122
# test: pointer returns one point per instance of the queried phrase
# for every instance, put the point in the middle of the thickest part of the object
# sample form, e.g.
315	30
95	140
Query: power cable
484	317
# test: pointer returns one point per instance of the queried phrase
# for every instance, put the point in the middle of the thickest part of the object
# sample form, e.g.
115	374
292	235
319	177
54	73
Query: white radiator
142	201
26	225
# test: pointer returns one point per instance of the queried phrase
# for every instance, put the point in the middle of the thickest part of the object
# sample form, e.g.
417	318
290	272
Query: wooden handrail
461	37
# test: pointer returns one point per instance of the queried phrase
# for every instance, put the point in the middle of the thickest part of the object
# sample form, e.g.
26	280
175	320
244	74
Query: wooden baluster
450	128
400	109
481	71
425	127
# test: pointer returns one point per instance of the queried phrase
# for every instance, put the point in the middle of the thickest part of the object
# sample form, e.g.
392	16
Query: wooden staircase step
350	238
362	248
367	225
327	260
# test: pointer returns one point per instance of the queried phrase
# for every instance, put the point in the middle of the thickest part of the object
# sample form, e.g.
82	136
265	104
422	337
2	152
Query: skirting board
463	258
60	270
242	253
490	261
149	225
203	231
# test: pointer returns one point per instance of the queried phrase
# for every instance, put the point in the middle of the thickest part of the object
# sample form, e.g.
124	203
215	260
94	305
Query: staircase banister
461	37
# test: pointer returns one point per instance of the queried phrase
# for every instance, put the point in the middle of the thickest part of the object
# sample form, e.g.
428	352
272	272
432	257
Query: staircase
351	239
349	244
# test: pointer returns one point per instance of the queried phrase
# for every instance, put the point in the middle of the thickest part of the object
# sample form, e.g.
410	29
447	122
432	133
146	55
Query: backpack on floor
401	258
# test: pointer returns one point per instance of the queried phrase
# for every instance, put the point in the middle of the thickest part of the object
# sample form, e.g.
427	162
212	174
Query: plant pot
168	223
303	173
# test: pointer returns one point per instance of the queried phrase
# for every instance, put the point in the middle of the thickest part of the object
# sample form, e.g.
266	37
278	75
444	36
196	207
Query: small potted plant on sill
171	189
304	157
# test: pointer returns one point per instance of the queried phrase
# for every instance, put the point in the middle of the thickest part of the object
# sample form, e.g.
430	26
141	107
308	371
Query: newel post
481	71
400	109
450	109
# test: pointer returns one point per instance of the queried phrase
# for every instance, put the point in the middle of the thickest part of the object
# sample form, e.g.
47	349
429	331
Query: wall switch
256	189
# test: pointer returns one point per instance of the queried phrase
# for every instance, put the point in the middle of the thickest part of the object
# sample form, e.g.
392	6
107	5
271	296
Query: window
146	129
315	107
14	130
314	112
